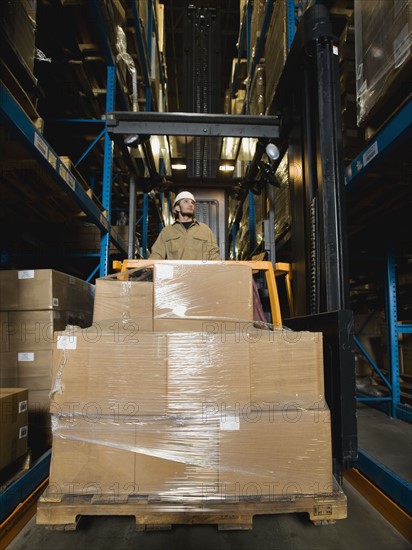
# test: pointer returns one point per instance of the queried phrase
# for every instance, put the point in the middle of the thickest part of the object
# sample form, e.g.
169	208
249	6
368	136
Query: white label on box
230	423
25	356
335	50
41	145
401	47
66	342
55	302
27	274
23	406
56	315
164	271
370	153
23	432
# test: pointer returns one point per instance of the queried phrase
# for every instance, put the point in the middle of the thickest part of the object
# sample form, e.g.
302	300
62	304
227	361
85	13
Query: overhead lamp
132	140
272	151
226	167
179	166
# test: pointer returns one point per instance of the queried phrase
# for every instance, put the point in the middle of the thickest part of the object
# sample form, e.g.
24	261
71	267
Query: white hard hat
183	195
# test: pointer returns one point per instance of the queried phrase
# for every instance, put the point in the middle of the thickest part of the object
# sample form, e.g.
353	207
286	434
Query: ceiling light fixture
131	140
272	151
226	167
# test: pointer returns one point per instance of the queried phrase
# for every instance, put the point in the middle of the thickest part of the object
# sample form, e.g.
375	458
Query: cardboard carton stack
187	399
34	305
276	49
13	424
383	39
353	139
18	25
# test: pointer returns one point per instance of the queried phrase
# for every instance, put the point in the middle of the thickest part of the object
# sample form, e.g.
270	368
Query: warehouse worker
186	238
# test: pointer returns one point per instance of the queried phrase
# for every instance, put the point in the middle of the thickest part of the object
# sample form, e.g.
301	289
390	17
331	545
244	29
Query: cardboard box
8	370
203	290
226	329
112	373
39	404
36	289
81	466
207	374
34	330
14	430
179	457
123	457
4	331
286	369
277	453
383	40
34	369
118	299
31	370
8	290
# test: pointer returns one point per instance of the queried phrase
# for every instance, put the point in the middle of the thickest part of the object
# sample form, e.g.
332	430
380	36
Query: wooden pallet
64	512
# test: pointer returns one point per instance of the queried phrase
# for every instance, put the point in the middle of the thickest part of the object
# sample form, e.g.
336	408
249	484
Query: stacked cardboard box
383	39
276	49
225	411
257	94
353	139
13	424
179	297
35	304
18	25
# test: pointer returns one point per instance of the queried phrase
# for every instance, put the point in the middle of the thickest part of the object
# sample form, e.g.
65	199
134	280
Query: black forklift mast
308	100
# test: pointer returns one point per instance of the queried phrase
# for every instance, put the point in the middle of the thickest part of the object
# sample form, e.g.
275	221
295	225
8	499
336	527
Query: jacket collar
194	222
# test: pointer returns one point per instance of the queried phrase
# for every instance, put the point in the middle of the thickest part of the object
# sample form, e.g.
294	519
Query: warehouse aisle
364	529
388	440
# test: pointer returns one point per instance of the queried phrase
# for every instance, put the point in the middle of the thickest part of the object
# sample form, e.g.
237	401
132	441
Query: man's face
186	207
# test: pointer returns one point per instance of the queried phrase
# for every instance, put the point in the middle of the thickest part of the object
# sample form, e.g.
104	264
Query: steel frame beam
192	124
393	485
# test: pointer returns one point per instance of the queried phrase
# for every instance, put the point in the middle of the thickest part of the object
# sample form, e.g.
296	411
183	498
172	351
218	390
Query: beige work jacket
175	242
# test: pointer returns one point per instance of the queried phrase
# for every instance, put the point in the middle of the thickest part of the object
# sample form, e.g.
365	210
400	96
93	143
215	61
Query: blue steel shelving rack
21	125
394	134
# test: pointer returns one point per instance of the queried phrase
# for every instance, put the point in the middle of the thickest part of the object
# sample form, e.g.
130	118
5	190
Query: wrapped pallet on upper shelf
383	37
275	49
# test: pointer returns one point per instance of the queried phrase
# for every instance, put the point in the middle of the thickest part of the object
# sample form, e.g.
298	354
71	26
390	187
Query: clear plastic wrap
124	296
278	453
201	291
176	296
178	410
226	411
383	38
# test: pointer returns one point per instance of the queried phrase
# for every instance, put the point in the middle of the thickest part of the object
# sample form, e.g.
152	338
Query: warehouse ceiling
176	17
